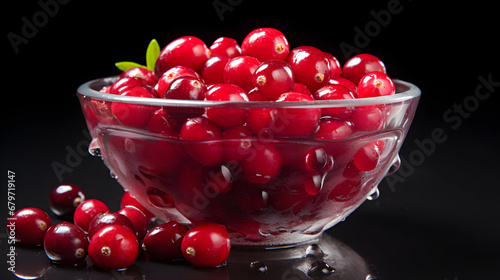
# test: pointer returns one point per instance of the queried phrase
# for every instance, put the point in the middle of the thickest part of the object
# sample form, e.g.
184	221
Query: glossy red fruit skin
298	87
335	68
273	77
367	158
171	75
124	84
187	51
213	70
238	142
344	82
240	70
375	84
64	199
186	88
86	211
163	242
359	65
113	247
225	46
226	117
161	122
206	245
138	219
335	92
108	218
367	118
127	199
295	122
147	76
133	115
66	243
310	66
30	225
265	44
332	129
263	164
205	136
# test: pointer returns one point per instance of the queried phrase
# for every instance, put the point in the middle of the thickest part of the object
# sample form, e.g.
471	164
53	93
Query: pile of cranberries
112	240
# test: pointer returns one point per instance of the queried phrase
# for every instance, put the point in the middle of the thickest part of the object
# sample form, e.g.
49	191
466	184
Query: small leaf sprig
152	53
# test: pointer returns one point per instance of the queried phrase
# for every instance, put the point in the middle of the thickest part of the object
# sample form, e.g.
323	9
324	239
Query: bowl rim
405	92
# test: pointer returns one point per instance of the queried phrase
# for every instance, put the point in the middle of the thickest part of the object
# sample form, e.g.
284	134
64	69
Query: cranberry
213	70
172	74
31	223
252	199
64	199
205	136
335	69
186	51
227	47
265	44
345	190
159	198
86	211
332	129
133	115
375	84
240	70
226	117
263	164
125	83
256	95
335	92
295	121
186	88
108	218
273	77
298	87
237	143
113	247
359	65
206	245
127	199
310	66
141	73
368	156
66	243
161	122
138	219
163	242
344	82
161	157
220	179
367	118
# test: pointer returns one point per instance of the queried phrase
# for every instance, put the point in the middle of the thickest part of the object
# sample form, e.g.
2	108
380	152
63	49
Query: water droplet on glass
396	163
94	148
320	269
374	195
258	266
314	250
113	175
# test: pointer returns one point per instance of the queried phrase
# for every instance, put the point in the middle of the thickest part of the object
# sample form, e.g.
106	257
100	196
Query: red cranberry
64	199
141	73
359	65
133	115
240	70
256	95
344	82
86	211
310	66
108	218
161	157
298	87
161	122
237	143
367	118
334	92
205	136
159	198
213	70
163	242
375	84
345	191
186	51
226	117
368	156
265	44
273	78
220	179
66	243
335	69
30	225
125	83
295	121
332	129
263	164
206	245
186	88
227	47
172	74
138	219
252	199
113	247
127	199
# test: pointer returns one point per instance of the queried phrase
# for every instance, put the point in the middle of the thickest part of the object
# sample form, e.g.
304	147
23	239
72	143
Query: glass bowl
270	184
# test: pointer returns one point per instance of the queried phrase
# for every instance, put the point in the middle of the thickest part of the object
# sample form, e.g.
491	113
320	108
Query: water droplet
320	269
374	195
94	148
396	163
113	175
258	266
314	250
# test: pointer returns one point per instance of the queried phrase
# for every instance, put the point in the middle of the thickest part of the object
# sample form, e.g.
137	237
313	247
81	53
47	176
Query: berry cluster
111	240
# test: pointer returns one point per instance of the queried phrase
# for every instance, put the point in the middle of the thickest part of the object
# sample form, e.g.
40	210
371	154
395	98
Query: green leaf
125	65
152	54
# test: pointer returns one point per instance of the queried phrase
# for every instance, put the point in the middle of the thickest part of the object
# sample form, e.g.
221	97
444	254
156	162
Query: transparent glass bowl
316	182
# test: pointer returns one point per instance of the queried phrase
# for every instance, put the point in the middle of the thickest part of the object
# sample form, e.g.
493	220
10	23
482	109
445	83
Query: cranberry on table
137	217
113	247
186	51
273	77
86	211
225	46
205	136
375	84
108	218
133	115
206	245
66	243
163	242
310	66
240	70
265	44
30	223
226	117
64	199
359	65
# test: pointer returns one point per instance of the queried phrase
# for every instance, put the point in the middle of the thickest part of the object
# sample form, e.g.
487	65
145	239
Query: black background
440	222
